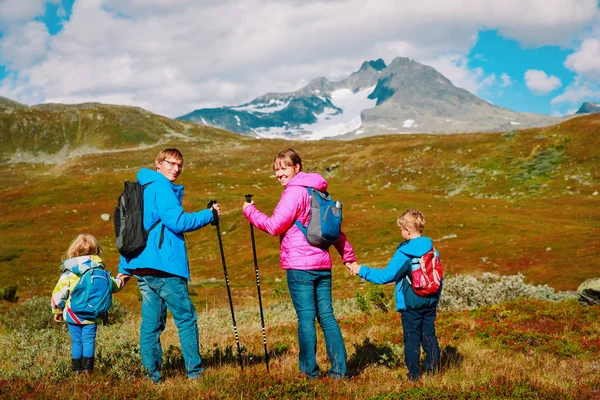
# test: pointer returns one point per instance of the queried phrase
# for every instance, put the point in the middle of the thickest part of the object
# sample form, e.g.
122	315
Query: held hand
216	210
57	318
353	267
123	277
246	204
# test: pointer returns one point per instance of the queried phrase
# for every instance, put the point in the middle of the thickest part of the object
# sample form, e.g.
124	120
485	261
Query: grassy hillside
515	202
59	129
8	103
522	201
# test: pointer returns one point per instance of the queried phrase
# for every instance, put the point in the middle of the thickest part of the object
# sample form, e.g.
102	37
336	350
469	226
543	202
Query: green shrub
371	353
120	360
462	292
378	298
36	314
116	314
32	315
9	293
35	354
362	303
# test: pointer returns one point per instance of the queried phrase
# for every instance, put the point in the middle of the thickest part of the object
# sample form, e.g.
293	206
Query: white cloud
586	60
538	22
578	92
540	83
171	56
455	68
25	45
19	10
506	80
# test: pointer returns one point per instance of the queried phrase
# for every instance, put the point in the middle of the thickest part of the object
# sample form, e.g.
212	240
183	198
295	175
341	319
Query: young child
418	313
83	254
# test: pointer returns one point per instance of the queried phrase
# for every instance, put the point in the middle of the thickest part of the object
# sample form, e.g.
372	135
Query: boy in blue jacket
418	313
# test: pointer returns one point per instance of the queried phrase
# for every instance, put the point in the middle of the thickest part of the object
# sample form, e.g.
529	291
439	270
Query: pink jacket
296	252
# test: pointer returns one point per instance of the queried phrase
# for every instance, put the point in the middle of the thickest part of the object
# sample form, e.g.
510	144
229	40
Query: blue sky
498	55
171	57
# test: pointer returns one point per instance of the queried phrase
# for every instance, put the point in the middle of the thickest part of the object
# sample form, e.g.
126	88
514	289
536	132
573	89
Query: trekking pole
215	222
262	318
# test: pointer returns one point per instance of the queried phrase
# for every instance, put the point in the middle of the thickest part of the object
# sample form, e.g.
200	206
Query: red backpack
426	273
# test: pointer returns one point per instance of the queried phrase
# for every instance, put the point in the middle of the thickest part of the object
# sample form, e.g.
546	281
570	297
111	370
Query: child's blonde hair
413	218
83	245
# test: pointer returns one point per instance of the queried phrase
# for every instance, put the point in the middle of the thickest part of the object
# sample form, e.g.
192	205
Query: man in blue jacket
162	268
418	313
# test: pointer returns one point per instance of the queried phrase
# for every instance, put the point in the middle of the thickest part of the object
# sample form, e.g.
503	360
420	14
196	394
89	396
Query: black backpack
129	221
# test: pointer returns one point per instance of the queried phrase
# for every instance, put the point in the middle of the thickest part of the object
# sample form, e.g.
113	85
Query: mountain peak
401	61
377	65
318	83
589	108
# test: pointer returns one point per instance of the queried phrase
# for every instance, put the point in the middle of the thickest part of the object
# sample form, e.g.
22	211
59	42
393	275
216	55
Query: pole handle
215	220
249	198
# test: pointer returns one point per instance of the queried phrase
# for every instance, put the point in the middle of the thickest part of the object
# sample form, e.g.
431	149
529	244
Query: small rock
105	217
588	292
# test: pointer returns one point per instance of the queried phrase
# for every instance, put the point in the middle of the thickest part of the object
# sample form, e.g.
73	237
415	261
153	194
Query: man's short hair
169	153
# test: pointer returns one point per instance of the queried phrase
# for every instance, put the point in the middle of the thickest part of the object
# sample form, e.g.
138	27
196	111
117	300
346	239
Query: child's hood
312	180
80	265
416	247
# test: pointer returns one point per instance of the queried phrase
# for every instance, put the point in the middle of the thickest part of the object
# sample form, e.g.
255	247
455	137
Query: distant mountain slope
63	128
8	103
404	97
589	108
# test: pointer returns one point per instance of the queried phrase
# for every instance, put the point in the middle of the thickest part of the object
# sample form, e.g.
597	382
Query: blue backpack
325	223
92	295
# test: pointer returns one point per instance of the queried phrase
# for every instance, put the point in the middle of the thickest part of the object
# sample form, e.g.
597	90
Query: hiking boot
88	364
77	365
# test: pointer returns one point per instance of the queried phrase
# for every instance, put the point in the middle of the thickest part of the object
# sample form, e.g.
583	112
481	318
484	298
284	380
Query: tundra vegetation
514	215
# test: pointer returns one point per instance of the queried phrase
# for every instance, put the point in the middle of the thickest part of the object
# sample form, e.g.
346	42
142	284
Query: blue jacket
397	270
162	201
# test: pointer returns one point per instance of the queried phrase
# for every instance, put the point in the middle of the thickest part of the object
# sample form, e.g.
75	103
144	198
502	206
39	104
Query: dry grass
473	365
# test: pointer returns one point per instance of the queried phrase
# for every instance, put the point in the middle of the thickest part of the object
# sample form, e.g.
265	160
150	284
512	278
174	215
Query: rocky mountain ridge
403	97
589	108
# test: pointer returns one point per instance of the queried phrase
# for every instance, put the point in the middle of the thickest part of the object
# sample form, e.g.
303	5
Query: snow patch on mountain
330	122
271	106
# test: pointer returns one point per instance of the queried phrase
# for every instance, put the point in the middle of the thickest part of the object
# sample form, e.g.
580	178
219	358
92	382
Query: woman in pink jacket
308	268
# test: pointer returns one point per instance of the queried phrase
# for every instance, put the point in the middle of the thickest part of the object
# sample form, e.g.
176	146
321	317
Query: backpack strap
162	231
409	274
303	228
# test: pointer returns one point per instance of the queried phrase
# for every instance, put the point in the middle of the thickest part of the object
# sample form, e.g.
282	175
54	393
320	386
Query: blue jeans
419	329
159	293
311	294
83	340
